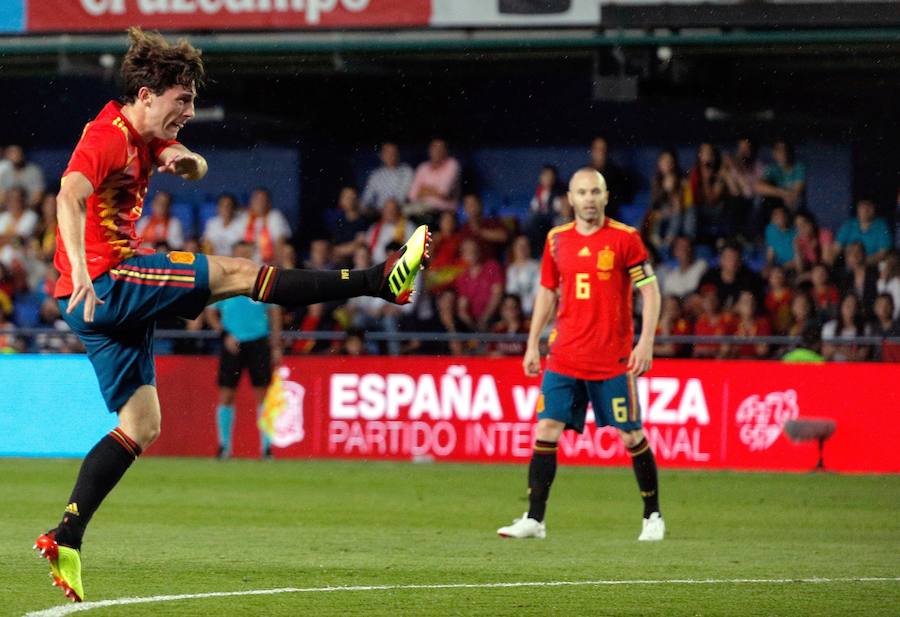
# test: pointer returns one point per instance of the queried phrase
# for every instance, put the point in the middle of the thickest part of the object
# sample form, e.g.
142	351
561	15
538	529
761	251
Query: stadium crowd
737	248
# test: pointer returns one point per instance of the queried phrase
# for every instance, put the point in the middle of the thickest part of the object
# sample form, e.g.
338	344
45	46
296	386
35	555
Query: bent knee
230	276
151	435
146	433
231	268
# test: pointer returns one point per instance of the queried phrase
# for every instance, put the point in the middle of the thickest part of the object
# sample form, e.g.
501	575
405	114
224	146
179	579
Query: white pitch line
60	611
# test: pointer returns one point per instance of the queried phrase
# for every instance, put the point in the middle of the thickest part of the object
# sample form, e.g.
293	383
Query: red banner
696	414
110	15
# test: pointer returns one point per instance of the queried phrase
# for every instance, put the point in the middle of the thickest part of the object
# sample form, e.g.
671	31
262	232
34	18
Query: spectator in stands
780	235
48	314
348	231
161	226
489	232
512	321
18	221
778	301
264	226
784	181
45	231
392	180
480	287
446	263
889	279
566	213
435	185
865	227
391	226
887	326
848	324
683	278
811	244
223	230
884	322
741	172
825	296
545	206
617	181
22	173
667	217
672	322
16	225
33	263
7	290
9	341
192	245
355	342
858	277
803	314
713	322
320	251
750	324
443	319
808	349
731	277
287	257
523	274
706	193
371	313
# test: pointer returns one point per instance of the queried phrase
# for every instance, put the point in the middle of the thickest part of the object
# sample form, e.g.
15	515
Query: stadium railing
30	335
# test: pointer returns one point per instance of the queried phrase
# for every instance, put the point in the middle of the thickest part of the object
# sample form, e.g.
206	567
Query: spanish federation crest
605	260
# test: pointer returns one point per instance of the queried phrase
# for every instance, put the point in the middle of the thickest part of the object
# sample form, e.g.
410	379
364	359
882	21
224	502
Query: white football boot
524	528
654	529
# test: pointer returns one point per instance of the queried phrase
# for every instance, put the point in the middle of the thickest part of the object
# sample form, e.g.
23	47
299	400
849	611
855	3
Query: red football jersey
594	273
118	164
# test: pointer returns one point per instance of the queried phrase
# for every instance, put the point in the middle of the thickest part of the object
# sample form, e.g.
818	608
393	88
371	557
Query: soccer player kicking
591	265
110	294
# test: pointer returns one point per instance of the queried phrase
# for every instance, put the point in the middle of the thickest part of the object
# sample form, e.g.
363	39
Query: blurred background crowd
738	246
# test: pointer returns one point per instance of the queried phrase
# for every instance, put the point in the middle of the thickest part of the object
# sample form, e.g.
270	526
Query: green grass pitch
180	526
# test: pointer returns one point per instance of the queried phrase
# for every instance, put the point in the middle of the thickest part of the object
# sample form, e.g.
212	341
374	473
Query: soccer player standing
590	266
111	294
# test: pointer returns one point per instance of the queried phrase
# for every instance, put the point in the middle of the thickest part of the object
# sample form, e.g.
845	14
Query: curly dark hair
153	62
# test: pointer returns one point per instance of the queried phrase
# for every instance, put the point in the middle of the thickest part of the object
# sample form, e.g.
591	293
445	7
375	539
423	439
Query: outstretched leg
391	280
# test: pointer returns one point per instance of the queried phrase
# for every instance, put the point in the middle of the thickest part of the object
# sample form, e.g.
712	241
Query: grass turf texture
180	526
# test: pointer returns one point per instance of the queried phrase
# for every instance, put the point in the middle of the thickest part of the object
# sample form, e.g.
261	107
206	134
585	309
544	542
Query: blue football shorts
135	293
615	401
